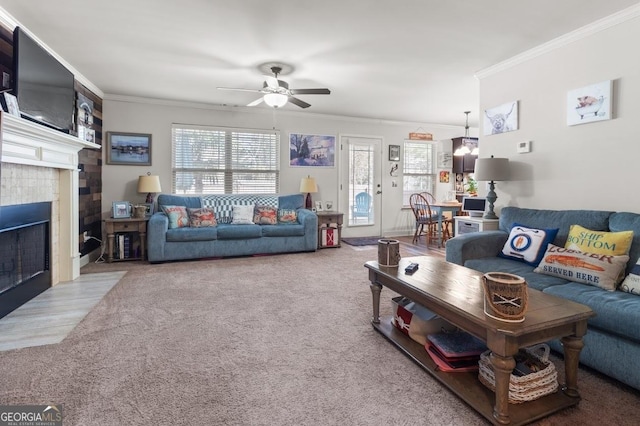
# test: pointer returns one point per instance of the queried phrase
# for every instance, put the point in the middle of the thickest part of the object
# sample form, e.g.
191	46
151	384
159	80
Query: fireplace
24	253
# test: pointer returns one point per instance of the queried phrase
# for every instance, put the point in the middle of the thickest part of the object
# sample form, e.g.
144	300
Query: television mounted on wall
45	88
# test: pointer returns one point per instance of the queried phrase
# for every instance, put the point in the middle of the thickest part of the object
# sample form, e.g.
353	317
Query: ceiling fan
276	93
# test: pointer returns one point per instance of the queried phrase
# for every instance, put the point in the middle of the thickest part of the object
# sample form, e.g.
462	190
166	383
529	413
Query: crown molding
581	33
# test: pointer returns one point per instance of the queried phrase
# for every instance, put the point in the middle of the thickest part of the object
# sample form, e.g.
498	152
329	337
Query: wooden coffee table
455	293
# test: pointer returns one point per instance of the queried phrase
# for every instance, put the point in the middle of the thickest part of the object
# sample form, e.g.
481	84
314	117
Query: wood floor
50	317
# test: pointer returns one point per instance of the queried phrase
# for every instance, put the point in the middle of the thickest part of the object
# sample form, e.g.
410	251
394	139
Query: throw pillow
287	216
202	217
265	215
631	284
613	243
595	269
527	244
242	215
178	217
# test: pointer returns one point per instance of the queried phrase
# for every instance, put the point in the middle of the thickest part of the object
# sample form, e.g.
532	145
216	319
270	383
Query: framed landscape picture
132	149
312	150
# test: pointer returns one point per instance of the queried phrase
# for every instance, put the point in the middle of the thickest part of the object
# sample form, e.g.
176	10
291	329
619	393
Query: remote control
411	268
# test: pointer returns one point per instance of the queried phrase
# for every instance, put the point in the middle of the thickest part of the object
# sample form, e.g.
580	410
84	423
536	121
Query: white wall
587	166
156	117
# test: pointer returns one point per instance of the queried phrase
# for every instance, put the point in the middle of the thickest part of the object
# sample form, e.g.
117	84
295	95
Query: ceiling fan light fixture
275	100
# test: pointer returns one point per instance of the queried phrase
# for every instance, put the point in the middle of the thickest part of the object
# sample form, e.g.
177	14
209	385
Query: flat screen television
44	87
475	206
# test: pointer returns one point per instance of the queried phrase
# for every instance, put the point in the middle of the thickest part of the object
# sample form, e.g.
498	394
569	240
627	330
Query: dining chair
427	220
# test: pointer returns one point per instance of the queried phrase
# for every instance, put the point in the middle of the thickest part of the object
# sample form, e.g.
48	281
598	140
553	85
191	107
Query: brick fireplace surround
41	164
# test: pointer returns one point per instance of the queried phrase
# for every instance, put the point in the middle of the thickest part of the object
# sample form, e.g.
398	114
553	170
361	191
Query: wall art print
312	150
501	119
589	103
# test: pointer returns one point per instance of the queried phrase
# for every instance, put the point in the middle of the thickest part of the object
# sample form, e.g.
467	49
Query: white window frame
424	171
228	158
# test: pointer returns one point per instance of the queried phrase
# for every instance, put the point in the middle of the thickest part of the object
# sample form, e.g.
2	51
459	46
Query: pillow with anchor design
599	270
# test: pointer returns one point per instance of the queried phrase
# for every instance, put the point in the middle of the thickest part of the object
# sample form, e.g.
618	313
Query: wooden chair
447	222
427	220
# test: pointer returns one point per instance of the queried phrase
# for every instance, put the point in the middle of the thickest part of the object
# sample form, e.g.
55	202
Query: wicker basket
505	296
523	388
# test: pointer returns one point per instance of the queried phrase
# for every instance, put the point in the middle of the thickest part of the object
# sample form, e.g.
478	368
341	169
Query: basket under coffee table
455	293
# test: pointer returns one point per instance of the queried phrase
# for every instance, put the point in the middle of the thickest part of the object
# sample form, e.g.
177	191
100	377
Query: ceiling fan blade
272	82
300	103
310	91
256	102
239	89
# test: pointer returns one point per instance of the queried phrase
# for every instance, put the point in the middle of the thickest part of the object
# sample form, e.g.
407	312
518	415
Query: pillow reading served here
265	215
287	216
613	243
595	269
527	244
202	217
631	284
242	215
178	217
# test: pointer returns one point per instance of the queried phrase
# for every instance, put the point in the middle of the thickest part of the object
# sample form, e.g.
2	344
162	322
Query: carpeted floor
272	340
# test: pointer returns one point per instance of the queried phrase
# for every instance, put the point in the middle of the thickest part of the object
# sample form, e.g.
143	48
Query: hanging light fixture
464	150
276	100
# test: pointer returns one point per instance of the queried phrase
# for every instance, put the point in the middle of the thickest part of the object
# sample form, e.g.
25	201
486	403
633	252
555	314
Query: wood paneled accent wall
90	160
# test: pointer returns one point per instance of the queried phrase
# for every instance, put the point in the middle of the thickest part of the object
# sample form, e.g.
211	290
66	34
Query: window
419	168
219	160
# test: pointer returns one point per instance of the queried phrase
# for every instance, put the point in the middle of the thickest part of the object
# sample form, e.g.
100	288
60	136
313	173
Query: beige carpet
273	340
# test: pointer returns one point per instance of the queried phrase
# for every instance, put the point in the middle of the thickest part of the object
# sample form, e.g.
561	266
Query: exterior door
360	185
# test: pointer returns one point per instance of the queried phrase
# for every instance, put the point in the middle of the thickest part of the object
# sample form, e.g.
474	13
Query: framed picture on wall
132	149
394	152
307	150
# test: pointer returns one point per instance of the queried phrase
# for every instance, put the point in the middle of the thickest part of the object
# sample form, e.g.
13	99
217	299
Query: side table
329	224
134	229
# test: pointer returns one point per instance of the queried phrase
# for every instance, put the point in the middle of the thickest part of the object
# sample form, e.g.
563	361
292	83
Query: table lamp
491	169
308	185
149	184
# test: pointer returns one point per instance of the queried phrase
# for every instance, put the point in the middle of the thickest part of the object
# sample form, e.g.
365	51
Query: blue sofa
225	239
612	342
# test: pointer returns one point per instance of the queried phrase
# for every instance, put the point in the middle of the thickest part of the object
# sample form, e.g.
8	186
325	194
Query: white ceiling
410	60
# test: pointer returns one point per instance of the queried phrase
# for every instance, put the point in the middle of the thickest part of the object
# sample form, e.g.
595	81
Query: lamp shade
308	185
275	100
491	169
149	183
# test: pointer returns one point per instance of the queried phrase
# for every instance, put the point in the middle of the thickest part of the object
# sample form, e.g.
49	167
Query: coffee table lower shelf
468	387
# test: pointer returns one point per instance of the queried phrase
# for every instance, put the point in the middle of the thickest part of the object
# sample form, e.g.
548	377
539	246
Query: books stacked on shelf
126	247
458	351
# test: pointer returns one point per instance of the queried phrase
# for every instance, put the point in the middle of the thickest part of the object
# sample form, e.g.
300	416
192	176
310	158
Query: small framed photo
121	209
10	104
149	209
328	205
133	149
319	206
394	152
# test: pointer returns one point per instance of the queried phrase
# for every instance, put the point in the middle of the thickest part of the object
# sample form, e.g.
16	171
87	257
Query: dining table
441	207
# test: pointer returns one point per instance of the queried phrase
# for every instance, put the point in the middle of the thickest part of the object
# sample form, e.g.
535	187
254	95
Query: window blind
418	168
218	160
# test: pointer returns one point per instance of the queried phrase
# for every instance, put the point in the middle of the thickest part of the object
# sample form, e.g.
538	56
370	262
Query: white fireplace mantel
25	142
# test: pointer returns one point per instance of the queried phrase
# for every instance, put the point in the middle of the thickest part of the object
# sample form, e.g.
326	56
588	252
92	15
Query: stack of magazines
456	351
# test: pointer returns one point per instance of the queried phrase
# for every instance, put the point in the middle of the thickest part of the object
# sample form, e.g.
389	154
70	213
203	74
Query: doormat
362	241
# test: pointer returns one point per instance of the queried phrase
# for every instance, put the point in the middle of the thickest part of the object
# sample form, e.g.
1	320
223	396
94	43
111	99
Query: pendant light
464	150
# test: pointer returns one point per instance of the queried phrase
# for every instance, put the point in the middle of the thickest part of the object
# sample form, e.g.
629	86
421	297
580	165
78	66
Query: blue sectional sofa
612	342
226	239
